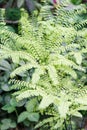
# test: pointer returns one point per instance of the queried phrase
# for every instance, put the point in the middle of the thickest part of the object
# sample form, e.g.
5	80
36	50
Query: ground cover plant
44	67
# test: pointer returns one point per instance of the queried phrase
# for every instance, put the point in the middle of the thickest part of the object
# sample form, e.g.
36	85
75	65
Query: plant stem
65	125
16	128
70	124
16	112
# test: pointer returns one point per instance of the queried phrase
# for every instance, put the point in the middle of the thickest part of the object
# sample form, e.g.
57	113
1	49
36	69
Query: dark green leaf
13	102
8	108
31	104
5	87
12	125
33	117
22	116
76	2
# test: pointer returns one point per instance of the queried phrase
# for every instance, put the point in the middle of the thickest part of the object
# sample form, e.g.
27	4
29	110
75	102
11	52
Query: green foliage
12	14
7	123
29	114
53	54
76	2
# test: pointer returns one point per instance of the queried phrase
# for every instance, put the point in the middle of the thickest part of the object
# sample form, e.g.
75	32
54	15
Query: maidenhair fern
55	54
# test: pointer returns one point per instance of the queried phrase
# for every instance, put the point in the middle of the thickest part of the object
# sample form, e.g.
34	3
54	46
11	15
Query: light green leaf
63	108
82	107
36	75
15	58
81	100
53	74
46	101
78	57
63	104
77	114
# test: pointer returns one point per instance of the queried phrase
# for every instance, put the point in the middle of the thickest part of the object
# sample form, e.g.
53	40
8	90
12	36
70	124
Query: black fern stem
70	123
10	22
65	125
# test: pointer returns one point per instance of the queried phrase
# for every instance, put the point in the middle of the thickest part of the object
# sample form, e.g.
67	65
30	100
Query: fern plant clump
55	54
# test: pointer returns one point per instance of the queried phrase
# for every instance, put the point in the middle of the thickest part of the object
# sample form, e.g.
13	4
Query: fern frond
20	84
16	55
68	70
55	50
81	24
25	31
53	74
24	68
46	101
36	76
30	93
61	60
45	121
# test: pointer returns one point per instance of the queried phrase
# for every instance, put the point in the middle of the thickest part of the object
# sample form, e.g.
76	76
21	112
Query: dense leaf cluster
47	67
